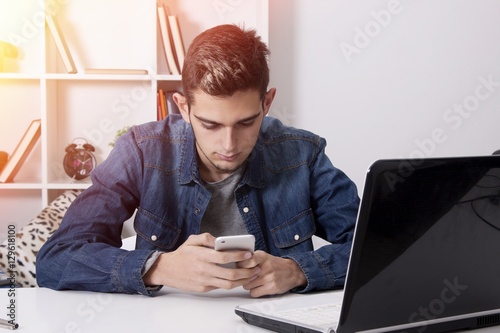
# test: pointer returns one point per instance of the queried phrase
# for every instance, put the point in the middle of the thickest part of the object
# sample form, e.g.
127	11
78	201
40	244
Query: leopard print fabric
31	237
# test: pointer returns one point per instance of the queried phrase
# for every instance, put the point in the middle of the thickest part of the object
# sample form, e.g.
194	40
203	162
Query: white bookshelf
99	34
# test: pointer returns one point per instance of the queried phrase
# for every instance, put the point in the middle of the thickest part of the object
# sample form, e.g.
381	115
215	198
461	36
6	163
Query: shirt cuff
149	263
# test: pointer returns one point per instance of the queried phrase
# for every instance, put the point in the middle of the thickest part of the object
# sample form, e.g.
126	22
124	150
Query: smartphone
239	242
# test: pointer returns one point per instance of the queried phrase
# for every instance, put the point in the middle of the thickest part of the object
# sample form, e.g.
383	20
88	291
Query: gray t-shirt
222	217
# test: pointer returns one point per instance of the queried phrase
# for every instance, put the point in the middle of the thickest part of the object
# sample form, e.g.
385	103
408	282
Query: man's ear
182	104
268	100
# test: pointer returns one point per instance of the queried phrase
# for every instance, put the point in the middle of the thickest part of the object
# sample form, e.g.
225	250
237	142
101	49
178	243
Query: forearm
81	265
324	268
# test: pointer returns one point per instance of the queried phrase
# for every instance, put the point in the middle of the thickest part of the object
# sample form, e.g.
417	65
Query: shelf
99	77
77	185
164	77
19	76
21	186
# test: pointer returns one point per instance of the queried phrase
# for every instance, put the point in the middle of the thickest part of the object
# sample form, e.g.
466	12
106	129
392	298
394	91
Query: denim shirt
289	192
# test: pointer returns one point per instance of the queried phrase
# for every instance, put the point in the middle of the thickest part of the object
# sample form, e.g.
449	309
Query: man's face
226	130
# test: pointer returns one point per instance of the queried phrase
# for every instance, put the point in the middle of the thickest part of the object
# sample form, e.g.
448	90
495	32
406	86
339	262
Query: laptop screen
430	231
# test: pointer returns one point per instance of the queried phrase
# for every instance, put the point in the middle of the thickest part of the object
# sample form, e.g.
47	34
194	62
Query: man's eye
208	126
247	124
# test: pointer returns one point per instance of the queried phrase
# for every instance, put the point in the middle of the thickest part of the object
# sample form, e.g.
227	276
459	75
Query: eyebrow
216	123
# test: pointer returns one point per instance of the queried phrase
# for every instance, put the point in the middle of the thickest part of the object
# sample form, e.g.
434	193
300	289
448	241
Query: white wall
422	78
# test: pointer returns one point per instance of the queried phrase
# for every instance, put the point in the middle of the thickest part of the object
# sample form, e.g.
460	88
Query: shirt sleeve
85	252
335	203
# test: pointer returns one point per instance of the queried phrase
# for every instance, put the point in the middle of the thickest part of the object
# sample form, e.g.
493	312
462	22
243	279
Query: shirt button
197	211
246	210
296	237
154	238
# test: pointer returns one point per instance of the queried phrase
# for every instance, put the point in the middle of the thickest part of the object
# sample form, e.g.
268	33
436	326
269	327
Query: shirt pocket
295	234
154	232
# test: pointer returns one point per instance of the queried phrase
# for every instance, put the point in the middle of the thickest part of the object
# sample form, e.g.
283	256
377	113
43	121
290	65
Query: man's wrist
298	275
149	269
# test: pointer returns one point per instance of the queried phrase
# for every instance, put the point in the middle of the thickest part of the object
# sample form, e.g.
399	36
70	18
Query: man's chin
227	167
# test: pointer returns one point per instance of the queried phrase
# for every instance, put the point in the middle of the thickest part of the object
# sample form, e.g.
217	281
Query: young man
220	168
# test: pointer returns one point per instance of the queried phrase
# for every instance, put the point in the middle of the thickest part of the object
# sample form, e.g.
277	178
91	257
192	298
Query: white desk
41	310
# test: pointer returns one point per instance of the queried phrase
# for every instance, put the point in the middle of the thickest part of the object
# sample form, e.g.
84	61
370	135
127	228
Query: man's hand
195	266
277	276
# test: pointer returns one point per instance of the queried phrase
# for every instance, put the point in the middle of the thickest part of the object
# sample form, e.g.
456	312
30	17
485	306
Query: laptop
425	255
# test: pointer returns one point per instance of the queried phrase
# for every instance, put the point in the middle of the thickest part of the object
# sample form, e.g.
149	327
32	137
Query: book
163	105
61	45
21	152
177	40
158	107
3	159
166	104
116	71
165	37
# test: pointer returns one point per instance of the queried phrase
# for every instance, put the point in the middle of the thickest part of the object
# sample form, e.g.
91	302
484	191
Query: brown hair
223	60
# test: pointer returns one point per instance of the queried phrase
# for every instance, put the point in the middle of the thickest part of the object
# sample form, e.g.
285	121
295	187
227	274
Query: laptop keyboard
325	315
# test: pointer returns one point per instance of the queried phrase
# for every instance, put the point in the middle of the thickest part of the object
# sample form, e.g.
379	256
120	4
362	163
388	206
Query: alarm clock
79	160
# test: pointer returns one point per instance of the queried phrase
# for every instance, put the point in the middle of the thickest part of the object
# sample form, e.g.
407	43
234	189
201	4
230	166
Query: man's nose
229	139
